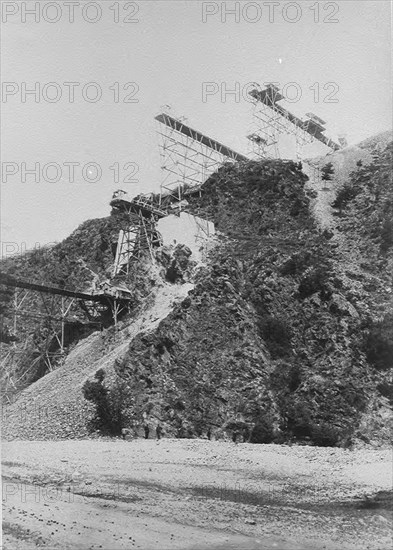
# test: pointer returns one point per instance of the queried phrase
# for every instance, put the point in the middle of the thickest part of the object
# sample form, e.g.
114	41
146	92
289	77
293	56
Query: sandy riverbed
194	494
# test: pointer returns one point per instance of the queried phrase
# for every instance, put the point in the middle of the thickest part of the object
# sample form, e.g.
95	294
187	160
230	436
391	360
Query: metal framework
57	308
270	120
139	234
188	157
60	305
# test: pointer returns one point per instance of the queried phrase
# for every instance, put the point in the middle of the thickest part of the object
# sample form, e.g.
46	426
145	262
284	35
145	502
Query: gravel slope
54	406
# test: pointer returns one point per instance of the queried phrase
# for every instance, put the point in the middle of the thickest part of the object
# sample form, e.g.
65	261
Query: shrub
379	344
298	418
325	435
262	432
94	391
111	404
327	171
322	414
345	195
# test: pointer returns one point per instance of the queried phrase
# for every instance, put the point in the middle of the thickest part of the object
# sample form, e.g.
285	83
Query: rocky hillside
284	334
87	254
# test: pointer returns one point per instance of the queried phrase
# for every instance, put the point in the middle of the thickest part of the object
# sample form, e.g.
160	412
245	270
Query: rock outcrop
284	330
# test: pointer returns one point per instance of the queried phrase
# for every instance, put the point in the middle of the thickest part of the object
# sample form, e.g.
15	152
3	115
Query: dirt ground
194	494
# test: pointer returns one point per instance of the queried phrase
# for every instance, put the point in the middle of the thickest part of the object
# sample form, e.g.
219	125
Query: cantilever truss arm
270	120
188	156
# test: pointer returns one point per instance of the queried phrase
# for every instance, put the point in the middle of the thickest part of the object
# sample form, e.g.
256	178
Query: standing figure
158	431
246	434
147	430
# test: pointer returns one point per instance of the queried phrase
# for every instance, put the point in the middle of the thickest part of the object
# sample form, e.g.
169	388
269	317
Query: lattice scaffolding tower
188	157
271	120
139	233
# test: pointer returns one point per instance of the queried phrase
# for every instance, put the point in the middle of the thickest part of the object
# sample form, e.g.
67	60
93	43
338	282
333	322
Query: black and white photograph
196	259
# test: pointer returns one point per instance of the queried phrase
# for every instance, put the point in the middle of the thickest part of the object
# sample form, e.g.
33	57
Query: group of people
146	429
237	434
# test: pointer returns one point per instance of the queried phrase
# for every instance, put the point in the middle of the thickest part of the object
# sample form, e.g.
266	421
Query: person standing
147	430
158	431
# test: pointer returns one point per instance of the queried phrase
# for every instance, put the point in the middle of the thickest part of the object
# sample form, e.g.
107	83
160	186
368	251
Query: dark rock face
287	332
275	330
205	362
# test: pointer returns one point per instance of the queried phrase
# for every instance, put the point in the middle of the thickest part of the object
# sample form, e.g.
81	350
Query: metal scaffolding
60	306
271	120
57	311
188	157
139	233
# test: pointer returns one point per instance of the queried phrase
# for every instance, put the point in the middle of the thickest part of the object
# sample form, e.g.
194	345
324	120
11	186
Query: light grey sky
169	53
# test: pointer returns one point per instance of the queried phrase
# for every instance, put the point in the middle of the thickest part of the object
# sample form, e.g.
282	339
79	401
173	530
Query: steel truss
188	157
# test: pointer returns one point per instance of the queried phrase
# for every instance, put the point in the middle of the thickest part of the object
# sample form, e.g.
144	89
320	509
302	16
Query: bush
379	344
94	391
327	171
298	418
321	413
111	403
325	435
345	195
262	432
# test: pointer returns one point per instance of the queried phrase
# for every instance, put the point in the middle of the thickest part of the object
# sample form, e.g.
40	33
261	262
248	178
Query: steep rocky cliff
283	333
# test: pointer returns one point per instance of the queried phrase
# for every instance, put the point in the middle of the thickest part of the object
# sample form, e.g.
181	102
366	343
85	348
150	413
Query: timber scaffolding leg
147	235
64	313
116	308
115	312
17	304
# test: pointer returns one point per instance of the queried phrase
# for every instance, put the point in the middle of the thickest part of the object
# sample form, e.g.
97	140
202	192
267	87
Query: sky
332	58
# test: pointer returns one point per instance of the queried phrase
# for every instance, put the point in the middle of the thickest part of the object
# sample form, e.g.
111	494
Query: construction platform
141	204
